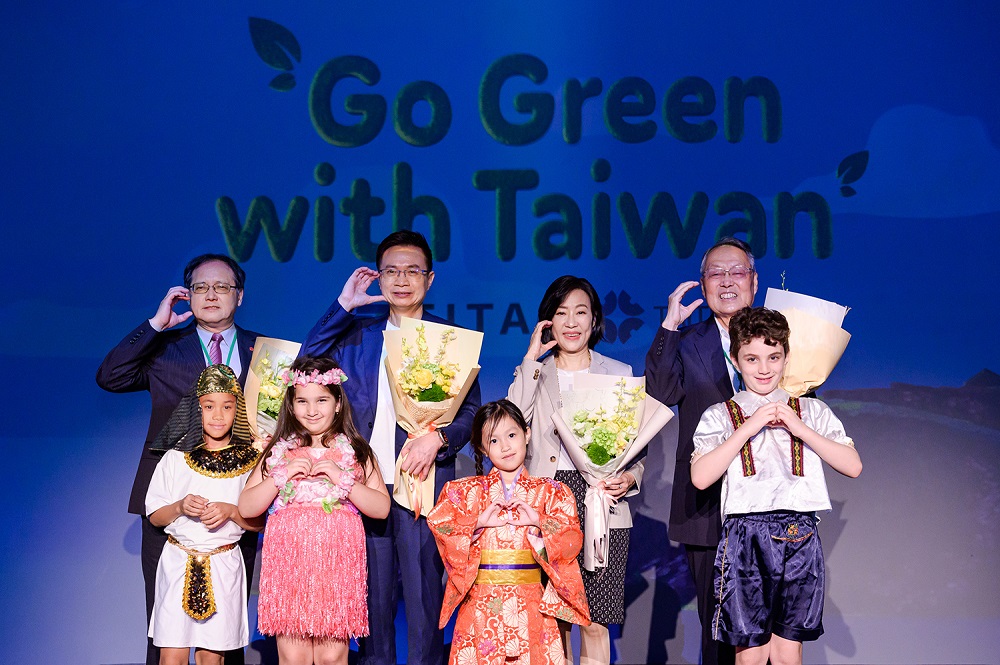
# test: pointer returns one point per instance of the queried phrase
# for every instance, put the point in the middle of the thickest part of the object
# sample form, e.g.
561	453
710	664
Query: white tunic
170	626
773	486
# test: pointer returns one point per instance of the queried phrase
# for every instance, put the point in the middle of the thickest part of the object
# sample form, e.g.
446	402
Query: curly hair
752	323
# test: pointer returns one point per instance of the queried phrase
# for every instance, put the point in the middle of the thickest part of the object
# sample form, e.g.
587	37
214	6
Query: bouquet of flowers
817	340
427	390
423	379
611	420
265	389
604	435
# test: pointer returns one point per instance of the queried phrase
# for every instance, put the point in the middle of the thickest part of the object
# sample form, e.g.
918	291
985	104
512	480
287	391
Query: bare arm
709	467
372	497
191	505
258	494
841	458
217	513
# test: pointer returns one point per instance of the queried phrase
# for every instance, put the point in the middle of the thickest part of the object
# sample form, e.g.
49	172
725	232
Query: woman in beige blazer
570	323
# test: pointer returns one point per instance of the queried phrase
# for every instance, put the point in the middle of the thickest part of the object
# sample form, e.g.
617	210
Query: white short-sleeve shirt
773	486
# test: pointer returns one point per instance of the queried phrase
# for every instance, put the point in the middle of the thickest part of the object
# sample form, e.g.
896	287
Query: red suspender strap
797	461
737	418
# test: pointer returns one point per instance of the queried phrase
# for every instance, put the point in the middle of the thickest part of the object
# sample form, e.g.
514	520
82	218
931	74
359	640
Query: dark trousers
701	561
398	546
153	540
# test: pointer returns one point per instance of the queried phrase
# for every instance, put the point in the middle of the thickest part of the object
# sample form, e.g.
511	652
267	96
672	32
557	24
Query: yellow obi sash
508	567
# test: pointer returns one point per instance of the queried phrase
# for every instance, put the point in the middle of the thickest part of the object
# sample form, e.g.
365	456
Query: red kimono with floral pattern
499	621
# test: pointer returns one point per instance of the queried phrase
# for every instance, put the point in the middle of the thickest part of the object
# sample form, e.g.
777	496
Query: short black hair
404	238
557	293
238	273
752	323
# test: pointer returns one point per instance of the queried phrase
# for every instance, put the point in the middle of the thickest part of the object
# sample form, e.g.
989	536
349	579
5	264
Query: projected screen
853	146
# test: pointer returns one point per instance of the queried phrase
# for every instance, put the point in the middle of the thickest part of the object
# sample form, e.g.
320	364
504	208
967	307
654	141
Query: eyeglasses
410	273
201	288
738	273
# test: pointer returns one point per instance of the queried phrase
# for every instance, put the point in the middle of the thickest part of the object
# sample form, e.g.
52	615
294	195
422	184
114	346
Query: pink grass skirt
313	575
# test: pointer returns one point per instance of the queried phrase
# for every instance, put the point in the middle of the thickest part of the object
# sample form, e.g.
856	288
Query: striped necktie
215	349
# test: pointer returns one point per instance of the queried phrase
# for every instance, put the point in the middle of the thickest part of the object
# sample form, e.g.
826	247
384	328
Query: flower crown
293	377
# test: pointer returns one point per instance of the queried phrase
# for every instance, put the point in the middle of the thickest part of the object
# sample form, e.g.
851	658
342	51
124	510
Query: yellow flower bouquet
264	388
427	390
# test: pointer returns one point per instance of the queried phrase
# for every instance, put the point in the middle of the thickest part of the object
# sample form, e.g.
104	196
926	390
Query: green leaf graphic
271	41
283	82
852	167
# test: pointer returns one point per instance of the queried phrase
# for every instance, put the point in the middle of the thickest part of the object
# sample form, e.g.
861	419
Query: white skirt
227	629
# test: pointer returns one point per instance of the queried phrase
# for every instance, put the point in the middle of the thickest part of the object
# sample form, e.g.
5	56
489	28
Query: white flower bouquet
605	423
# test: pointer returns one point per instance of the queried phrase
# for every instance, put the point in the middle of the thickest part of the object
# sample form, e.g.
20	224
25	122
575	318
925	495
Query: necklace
225	462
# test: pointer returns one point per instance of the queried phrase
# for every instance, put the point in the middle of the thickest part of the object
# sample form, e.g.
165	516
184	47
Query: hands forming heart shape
514	512
301	467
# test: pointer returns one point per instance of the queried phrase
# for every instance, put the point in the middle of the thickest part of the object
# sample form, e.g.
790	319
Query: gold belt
508	567
198	600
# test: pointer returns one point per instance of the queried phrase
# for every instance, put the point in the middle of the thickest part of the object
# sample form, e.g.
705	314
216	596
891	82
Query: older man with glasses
399	545
166	358
691	369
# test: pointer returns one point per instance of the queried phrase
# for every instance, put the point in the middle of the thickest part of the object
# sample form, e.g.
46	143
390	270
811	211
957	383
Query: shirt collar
751	401
227	335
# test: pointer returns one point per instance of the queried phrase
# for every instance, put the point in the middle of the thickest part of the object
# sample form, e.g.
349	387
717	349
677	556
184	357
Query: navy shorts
769	579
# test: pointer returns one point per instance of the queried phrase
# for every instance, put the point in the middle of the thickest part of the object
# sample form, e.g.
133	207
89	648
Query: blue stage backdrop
854	144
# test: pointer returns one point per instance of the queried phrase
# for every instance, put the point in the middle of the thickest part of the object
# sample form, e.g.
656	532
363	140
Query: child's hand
491	516
299	467
790	420
193	505
217	513
522	514
765	416
328	469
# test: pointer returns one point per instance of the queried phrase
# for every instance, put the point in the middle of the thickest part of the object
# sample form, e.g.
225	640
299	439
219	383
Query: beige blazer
535	391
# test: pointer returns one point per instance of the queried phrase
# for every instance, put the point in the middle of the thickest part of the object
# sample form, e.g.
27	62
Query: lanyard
735	377
208	358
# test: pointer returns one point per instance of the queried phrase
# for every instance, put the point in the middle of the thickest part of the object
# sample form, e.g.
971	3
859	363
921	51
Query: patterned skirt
605	586
313	574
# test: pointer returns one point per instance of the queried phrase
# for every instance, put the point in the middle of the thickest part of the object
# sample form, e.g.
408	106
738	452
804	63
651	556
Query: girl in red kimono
497	535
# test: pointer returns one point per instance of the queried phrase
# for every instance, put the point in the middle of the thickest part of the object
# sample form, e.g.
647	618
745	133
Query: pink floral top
312	491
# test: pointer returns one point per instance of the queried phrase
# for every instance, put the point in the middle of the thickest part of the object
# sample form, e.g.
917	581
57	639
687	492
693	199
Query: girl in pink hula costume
315	479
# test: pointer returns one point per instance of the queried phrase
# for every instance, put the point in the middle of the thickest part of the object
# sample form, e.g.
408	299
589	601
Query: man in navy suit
691	369
398	544
165	358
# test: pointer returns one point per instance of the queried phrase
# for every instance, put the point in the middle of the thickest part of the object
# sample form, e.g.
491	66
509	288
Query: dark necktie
215	349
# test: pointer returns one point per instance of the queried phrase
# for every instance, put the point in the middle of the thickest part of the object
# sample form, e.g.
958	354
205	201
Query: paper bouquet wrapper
278	351
817	340
419	418
589	392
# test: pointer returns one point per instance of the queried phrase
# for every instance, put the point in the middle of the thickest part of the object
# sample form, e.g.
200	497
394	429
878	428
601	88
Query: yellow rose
424	378
271	390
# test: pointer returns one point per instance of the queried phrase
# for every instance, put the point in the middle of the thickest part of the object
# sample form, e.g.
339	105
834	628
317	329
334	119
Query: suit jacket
355	342
535	391
167	364
687	369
